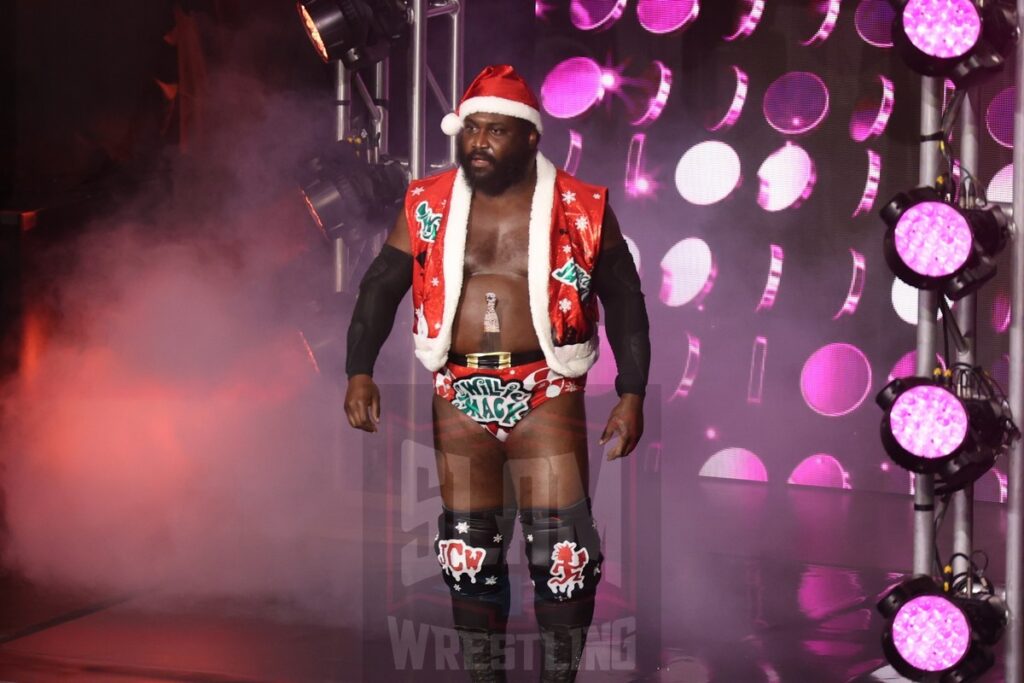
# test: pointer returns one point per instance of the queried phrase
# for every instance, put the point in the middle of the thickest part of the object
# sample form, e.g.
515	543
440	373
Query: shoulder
586	192
437	181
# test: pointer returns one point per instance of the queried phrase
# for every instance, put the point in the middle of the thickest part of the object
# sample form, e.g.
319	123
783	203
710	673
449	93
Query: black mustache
485	157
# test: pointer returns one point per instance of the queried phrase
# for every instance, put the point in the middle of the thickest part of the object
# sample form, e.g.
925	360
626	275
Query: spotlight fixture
963	40
931	244
931	635
927	428
358	32
349	198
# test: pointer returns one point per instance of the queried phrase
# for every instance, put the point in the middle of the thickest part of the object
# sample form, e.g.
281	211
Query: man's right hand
362	403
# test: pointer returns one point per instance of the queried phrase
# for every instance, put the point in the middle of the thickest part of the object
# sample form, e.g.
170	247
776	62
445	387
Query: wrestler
506	257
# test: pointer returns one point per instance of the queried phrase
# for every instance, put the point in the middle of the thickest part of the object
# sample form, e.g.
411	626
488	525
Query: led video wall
748	146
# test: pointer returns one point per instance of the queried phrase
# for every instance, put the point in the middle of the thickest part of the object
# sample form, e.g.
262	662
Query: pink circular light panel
933	239
796	102
873	20
942	28
931	633
589	15
999	117
787	178
836	379
708	173
665	16
572	87
687	272
928	421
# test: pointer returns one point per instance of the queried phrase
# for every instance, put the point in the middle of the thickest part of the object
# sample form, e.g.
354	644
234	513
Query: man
504	255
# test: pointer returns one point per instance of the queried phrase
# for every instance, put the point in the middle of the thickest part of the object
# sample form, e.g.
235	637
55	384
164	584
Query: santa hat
496	90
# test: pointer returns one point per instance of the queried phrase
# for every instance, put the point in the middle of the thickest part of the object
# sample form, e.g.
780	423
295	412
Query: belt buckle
503	358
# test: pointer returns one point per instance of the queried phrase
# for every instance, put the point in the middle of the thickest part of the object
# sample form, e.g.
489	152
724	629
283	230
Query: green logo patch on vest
574	276
429	221
489	399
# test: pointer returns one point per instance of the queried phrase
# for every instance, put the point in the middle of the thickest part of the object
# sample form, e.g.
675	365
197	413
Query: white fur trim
488	104
451	124
571	360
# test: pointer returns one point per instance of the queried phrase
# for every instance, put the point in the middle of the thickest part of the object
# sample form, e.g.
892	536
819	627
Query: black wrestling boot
561	651
483	664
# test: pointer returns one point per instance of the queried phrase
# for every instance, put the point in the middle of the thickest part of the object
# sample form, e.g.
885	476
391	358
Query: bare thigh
547	454
470	462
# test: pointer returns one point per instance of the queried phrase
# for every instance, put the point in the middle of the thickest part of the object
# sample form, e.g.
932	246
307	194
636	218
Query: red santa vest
564	240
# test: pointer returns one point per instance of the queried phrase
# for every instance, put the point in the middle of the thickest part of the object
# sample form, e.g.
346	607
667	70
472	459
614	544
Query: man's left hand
626	421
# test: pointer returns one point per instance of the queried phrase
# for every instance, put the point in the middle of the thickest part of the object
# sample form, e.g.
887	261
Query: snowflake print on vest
429	222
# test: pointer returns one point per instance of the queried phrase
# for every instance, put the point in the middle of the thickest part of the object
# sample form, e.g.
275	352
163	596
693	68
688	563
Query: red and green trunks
497	399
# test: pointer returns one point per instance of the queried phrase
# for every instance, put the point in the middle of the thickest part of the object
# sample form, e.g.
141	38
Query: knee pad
471	548
563	550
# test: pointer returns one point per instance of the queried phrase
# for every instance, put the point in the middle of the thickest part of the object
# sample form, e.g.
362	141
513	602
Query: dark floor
757	584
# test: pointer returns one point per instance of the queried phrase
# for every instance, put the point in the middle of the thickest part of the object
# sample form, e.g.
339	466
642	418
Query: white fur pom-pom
451	124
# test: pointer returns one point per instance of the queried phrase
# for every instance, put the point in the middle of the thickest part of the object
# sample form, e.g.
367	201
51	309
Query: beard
501	175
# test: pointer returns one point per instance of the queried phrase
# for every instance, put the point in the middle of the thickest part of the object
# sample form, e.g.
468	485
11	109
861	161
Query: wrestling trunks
497	394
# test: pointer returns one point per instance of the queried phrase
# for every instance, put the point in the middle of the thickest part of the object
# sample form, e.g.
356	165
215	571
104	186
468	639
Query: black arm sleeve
618	285
381	290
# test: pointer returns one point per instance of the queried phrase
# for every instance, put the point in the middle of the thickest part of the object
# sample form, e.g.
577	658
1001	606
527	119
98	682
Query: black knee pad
563	550
471	548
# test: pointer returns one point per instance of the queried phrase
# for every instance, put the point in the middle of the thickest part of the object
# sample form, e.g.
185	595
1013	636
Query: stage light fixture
349	198
358	32
963	40
928	429
931	635
931	244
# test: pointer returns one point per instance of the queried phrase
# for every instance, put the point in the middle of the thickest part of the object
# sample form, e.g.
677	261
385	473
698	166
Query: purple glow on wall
690	369
572	87
771	286
873	20
758	358
857	280
601	377
835	380
933	238
867	198
590	15
708	173
928	421
787	178
637	182
999	117
828	22
656	102
1001	311
931	633
821	470
739	98
1001	370
1000	188
942	28
871	116
906	366
572	157
665	16
735	463
688	273
748	19
796	102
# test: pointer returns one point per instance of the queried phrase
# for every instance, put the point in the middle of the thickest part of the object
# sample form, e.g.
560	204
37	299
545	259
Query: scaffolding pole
927	310
1014	635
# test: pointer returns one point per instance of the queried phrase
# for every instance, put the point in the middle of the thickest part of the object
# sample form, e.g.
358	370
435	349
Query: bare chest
496	240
